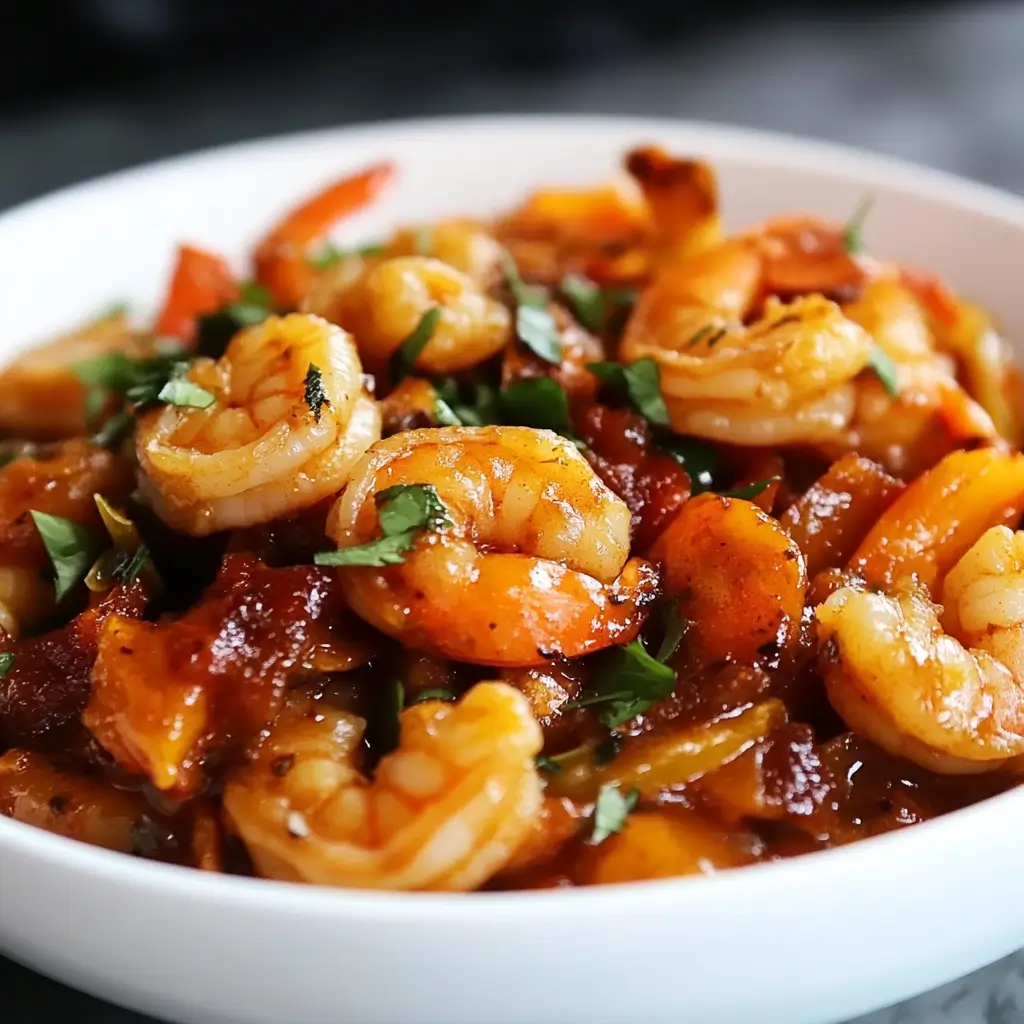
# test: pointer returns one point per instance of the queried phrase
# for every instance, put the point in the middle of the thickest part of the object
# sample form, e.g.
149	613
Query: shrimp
289	420
465	245
281	261
386	305
59	481
738	578
445	811
533	565
41	398
941	686
785	379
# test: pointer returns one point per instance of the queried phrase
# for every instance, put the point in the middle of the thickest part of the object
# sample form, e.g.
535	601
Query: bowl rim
858	859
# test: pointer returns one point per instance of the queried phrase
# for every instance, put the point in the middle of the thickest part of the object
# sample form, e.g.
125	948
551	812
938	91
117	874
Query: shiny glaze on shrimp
940	686
533	566
787	378
260	451
445	811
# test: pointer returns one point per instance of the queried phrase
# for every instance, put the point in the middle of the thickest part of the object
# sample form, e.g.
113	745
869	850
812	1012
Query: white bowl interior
68	255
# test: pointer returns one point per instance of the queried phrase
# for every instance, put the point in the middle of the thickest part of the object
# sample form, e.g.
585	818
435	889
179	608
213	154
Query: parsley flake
403	512
593	305
6	661
70	546
628	682
611	810
885	369
537	402
697	457
535	326
403	362
853	232
215	330
547	764
180	391
674	628
434	693
748	492
315	395
481	409
642	383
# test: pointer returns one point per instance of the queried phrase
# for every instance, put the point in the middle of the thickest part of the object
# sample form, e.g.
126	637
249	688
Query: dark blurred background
90	86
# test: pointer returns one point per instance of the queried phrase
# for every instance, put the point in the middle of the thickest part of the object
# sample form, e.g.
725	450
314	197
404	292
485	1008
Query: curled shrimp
384	307
59	481
940	686
533	565
445	811
785	379
289	420
41	398
281	259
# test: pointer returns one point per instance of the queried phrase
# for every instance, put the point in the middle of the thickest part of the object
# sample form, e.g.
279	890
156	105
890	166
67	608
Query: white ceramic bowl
808	941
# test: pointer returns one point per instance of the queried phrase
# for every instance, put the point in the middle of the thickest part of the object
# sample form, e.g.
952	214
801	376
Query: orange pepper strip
280	259
201	283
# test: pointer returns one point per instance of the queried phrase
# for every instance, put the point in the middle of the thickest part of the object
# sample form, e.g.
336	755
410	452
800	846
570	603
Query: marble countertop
941	84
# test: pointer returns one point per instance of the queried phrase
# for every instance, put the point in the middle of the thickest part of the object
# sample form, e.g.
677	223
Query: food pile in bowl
583	544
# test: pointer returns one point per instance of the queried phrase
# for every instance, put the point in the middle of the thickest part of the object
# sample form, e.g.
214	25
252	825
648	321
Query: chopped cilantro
403	362
535	326
697	457
611	811
480	410
215	330
641	383
70	546
128	569
435	693
329	254
885	369
537	402
255	294
547	764
674	629
179	390
315	395
403	512
6	661
853	232
592	304
748	492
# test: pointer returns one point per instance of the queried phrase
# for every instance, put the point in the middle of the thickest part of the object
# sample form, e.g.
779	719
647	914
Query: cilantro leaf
215	330
444	414
255	294
180	391
593	305
611	811
628	682
113	429
6	661
544	764
641	383
330	254
537	402
70	546
885	369
535	326
315	395
436	693
675	629
410	507
697	457
750	491
480	410
853	232
403	512
403	362
389	726
128	569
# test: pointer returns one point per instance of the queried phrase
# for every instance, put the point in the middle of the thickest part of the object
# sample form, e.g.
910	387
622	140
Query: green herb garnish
853	232
315	395
329	254
403	512
611	811
180	391
697	457
547	764
885	370
256	294
403	362
641	383
71	548
481	409
215	330
674	630
537	402
435	693
535	326
628	682
593	305
6	661
748	492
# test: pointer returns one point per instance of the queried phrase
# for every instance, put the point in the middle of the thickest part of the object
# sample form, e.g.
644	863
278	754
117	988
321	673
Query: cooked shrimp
384	307
533	566
940	516
950	700
60	481
274	441
41	398
465	245
738	577
445	811
785	379
281	259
